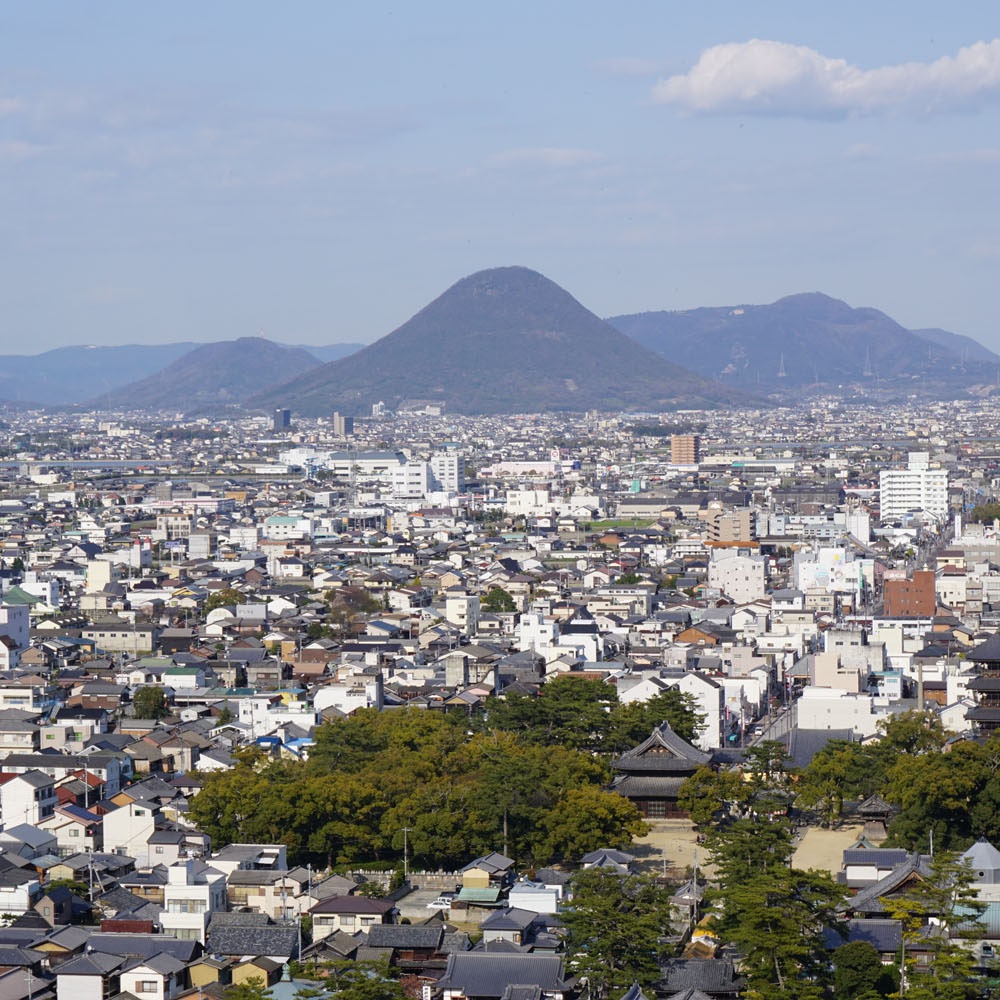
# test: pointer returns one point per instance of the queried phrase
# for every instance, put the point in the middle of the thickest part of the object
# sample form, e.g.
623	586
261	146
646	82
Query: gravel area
672	845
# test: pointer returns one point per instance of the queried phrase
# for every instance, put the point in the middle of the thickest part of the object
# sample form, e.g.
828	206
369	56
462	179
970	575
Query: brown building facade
910	597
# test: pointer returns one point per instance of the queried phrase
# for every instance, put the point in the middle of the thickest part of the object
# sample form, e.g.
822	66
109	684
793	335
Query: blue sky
320	171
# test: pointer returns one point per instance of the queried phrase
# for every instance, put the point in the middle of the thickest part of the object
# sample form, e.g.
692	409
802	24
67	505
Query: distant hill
74	374
213	377
331	352
965	348
804	340
504	340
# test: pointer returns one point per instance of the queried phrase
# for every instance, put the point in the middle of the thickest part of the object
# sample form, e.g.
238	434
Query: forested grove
529	774
783	920
948	791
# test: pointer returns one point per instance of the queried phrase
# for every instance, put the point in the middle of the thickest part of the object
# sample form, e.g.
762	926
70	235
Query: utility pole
406	869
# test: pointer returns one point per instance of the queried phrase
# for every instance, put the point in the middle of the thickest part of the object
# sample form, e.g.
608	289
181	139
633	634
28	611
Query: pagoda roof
986	652
656	750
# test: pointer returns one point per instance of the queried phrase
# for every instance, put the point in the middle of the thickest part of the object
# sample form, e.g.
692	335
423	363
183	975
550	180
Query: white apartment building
918	487
743	578
194	891
444	473
462	611
411	481
27	798
15	622
447	472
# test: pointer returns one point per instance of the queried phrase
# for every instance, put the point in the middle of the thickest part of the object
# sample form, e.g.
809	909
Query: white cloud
774	78
547	156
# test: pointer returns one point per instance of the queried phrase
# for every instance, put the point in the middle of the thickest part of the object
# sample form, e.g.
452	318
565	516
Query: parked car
441	903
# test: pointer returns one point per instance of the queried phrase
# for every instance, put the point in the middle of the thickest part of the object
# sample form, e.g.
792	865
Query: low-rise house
483	975
509	924
278	942
19	890
26	798
26	841
160	977
493	869
349	913
89	977
279	894
76	829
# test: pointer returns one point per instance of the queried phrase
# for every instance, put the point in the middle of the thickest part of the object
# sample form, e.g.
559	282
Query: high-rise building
685	449
917	488
282	420
342	426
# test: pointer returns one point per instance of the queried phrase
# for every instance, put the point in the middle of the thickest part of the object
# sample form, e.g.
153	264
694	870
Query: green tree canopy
348	980
372	774
984	513
775	915
858	973
616	923
150	702
225	598
498	599
253	988
585	713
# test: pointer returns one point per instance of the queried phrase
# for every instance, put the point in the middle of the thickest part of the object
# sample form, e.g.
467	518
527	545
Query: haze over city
320	173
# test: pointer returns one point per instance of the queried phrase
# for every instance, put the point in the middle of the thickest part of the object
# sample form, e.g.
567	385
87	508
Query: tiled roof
488	974
276	940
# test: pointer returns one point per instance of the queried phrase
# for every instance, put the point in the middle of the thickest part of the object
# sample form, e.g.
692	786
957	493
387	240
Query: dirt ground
671	847
824	849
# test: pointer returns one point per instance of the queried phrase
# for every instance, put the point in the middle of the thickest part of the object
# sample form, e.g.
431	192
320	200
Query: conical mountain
505	340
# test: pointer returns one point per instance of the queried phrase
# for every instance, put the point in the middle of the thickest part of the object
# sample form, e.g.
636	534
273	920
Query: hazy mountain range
806	340
510	340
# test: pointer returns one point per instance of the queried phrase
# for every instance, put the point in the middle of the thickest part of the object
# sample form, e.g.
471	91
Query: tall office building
342	426
282	420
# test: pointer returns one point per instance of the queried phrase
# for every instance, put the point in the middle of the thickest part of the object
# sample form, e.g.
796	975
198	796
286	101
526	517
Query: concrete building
743	578
194	891
910	597
918	487
342	426
685	449
734	525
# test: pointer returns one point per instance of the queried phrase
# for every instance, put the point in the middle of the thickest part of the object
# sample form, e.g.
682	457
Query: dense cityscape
499	502
418	694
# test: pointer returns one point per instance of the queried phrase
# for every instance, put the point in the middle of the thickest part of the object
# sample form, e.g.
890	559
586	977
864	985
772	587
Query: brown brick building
910	597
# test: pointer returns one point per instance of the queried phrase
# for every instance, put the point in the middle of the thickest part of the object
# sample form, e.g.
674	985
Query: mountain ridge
501	340
805	339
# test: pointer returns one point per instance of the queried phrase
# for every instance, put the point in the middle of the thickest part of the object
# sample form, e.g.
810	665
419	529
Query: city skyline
320	174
